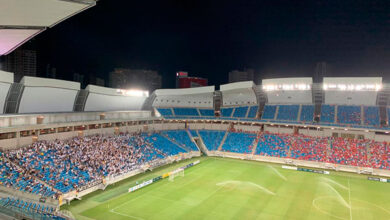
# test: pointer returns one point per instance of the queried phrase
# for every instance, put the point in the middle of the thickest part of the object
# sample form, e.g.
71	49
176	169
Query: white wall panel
290	97
239	97
30	81
102	102
186	91
37	12
236	85
351	97
239	93
204	100
45	99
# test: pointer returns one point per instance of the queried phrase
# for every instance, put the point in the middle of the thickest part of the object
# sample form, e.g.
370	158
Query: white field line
277	172
325	212
152	191
375	205
130	216
349	196
125	203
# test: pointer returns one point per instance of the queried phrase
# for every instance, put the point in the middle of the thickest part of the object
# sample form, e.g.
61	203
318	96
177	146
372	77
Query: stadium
287	148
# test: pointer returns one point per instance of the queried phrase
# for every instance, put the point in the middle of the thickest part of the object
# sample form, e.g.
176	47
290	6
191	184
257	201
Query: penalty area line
349	196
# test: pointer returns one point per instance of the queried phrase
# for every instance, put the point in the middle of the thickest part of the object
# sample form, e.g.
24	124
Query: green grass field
221	188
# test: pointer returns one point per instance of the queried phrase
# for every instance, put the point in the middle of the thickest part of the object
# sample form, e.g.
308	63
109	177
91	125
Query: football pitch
220	188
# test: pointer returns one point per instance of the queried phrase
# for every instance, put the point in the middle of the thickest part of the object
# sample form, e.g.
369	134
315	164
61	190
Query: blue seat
327	114
238	142
307	113
253	111
269	112
212	138
240	112
226	112
288	112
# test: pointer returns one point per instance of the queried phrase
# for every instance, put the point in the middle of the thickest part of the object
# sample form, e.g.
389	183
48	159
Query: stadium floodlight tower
21	20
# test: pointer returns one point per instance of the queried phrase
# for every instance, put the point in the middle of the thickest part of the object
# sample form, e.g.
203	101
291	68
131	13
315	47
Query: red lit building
184	81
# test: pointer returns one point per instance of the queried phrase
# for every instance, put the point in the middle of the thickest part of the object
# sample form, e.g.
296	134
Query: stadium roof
21	20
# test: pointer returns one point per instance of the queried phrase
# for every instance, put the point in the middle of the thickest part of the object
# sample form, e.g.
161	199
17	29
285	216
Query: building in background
51	72
135	78
239	76
21	62
185	81
77	77
93	80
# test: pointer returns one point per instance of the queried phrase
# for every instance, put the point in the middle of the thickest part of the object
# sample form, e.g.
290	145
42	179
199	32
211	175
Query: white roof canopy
20	20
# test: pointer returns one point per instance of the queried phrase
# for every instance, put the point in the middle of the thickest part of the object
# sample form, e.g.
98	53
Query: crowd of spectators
336	150
48	168
19	179
69	164
349	151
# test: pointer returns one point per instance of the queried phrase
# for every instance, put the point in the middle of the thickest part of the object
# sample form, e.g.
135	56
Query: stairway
276	112
261	97
383	100
234	109
13	98
191	137
223	141
318	96
329	150
35	177
80	100
200	144
299	113
255	143
175	142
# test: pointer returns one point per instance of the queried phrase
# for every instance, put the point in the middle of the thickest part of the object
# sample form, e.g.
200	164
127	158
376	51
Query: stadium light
133	92
352	87
286	87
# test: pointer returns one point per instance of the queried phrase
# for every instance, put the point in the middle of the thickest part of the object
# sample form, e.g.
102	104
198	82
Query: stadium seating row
239	142
346	115
30	209
182	138
17	178
68	165
212	138
351	116
343	151
232	112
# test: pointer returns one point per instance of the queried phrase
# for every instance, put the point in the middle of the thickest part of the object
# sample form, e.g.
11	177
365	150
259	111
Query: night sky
210	38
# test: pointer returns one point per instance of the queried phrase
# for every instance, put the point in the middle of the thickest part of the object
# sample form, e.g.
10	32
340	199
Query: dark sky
210	38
